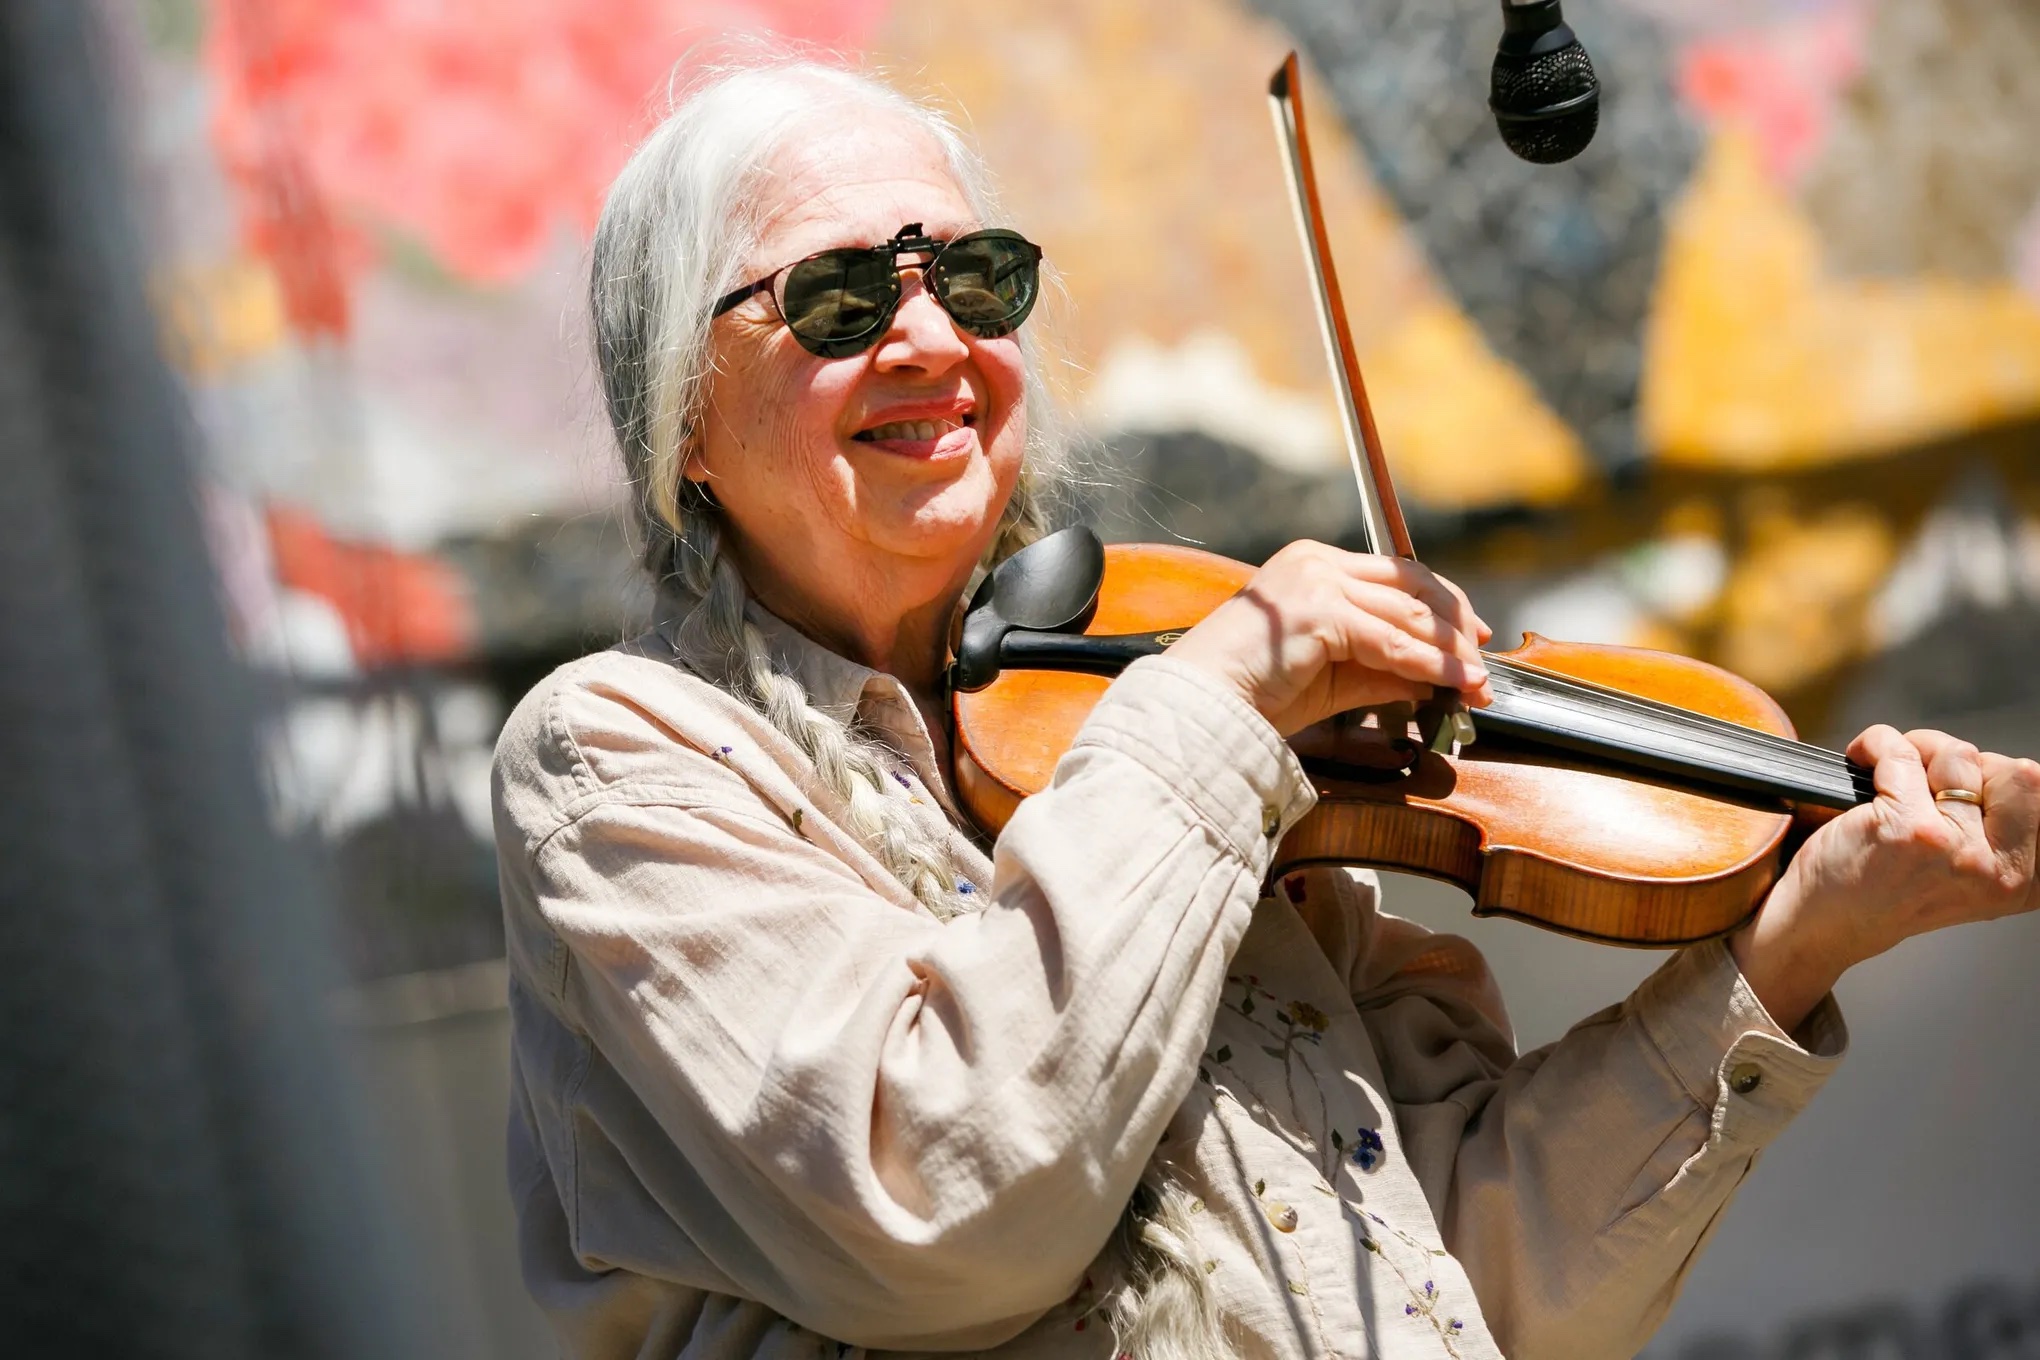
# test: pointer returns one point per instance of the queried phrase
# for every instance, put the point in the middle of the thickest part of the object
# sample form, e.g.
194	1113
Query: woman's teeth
908	429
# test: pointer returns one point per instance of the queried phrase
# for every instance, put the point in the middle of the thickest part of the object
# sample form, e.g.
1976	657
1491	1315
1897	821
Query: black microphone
1545	96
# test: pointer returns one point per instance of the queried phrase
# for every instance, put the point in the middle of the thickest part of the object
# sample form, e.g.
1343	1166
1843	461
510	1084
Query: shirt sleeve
895	1131
1578	1182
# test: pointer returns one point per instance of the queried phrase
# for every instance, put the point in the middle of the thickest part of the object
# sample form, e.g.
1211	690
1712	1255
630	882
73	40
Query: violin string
1712	743
1729	744
1727	761
1813	767
1671	713
1764	749
1536	676
1736	759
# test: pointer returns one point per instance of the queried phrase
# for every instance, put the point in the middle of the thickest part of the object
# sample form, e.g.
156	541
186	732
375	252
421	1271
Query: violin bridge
1445	732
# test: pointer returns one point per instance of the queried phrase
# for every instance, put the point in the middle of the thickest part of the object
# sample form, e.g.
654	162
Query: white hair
678	223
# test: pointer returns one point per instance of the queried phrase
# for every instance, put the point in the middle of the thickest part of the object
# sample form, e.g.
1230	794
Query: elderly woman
804	1066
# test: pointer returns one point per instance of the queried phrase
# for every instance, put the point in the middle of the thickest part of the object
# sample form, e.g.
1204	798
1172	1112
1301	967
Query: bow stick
1381	518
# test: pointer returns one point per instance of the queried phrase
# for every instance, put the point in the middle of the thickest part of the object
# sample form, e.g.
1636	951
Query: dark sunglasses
840	302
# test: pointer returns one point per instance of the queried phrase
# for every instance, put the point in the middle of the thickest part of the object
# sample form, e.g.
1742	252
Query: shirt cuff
1728	1052
1210	746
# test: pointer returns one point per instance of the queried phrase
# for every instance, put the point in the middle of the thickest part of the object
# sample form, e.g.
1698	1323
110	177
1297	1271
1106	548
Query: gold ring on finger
1969	796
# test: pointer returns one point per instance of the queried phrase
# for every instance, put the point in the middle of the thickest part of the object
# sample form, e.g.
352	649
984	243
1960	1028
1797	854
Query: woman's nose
921	335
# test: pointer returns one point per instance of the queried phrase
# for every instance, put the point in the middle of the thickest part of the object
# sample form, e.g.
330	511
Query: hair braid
850	764
1165	1308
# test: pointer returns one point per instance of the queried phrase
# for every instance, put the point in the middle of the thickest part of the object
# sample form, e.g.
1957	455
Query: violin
1617	794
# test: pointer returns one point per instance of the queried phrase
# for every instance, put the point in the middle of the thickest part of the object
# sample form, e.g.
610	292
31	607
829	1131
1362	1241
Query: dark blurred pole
179	1172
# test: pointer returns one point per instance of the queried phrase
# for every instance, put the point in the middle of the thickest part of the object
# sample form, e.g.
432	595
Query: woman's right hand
1321	631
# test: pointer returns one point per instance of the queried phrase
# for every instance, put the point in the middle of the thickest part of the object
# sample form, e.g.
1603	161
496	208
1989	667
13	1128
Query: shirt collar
844	689
840	687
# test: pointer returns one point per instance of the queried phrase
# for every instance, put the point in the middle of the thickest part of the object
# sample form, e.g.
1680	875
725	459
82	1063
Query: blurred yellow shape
1758	359
1132	140
1463	428
218	316
1798	600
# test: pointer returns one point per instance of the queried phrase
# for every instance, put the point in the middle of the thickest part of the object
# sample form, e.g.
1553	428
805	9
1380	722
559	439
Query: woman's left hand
1896	867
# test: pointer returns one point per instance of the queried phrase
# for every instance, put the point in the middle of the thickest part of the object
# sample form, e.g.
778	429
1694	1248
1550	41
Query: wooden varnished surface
1009	736
1588	852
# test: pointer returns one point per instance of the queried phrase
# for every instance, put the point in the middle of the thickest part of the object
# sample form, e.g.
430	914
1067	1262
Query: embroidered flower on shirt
1291	1029
1368	1151
1293	889
1426	1307
1084	1299
1424	1300
1306	1016
964	885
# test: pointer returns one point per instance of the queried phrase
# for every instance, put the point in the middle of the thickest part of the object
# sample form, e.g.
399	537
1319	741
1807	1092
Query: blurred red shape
479	128
399	607
1779	80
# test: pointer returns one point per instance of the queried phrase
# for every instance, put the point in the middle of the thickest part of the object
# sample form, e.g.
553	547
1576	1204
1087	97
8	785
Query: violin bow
1381	517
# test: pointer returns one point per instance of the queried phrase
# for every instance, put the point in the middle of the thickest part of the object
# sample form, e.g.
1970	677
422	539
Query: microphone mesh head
1522	87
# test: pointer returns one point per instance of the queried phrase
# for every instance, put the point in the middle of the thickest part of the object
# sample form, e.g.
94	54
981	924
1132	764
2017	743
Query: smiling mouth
913	429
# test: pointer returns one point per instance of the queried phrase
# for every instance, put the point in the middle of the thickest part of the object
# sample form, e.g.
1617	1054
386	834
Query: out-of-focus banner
1756	377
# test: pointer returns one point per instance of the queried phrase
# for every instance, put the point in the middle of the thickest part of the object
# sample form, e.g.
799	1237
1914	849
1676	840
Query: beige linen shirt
766	1106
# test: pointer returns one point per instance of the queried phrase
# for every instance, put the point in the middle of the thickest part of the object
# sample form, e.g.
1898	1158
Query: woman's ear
695	479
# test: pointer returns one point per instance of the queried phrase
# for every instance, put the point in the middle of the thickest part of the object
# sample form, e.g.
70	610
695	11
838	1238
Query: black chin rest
1048	586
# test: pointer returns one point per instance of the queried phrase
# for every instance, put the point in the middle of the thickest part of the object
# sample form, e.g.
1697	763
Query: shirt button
1271	819
1744	1078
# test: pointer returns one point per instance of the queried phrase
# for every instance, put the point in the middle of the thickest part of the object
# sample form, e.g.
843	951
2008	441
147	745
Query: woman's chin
937	533
953	524
950	544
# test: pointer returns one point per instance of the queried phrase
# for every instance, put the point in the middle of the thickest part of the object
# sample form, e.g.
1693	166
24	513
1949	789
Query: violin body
1612	793
1542	835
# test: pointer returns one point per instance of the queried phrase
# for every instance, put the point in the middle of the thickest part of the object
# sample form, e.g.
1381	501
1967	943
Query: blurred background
1756	378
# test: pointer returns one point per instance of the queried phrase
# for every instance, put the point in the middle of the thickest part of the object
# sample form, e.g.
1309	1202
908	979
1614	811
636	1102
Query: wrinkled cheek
834	484
784	449
1008	441
810	440
775	428
1006	448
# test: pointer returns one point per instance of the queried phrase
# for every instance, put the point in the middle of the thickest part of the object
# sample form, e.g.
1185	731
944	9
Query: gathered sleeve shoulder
747	1061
